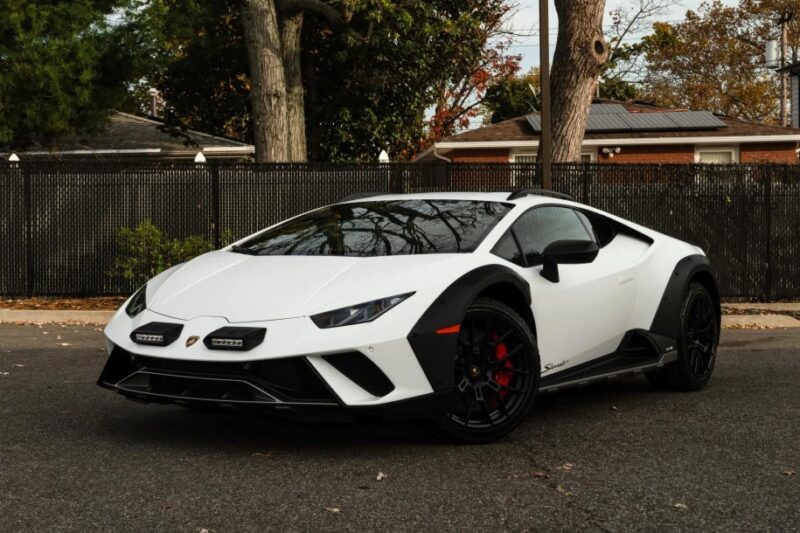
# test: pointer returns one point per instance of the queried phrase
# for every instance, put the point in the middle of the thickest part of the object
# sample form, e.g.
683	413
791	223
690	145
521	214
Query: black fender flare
435	352
667	318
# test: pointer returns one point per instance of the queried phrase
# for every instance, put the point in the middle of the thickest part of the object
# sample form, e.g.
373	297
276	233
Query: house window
523	158
716	155
587	156
523	177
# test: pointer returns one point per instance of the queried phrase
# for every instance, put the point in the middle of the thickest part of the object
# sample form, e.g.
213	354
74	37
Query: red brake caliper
501	377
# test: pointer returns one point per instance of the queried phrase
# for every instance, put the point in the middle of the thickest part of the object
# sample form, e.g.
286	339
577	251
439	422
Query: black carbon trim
436	353
637	349
667	319
286	381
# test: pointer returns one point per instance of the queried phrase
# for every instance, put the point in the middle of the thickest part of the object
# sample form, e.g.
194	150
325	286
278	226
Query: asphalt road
621	457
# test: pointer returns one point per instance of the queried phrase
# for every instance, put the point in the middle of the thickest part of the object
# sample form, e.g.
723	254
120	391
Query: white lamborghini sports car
455	308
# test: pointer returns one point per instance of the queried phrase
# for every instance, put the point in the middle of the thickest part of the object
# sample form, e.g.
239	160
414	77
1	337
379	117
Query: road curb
93	318
770	321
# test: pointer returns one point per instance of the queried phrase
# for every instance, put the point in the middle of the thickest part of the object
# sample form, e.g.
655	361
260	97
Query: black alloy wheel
496	374
697	344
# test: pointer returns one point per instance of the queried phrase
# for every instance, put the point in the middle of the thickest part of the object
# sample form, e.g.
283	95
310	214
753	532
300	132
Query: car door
585	314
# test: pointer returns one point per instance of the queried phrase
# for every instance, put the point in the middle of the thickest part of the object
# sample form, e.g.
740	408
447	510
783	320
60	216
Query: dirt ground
106	303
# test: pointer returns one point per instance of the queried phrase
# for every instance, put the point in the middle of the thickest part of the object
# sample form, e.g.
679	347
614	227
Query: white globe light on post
14	158
199	158
383	157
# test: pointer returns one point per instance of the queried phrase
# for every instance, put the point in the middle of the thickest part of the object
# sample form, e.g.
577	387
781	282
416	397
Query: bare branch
330	13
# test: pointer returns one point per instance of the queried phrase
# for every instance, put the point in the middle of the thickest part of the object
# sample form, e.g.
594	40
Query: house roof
519	132
132	135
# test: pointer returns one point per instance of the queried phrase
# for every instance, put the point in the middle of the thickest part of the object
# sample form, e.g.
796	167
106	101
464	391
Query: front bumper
288	387
297	367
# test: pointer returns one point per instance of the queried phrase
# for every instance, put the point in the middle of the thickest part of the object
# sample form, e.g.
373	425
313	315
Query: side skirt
639	351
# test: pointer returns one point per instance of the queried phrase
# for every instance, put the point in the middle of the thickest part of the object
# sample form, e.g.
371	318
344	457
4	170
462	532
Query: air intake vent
361	371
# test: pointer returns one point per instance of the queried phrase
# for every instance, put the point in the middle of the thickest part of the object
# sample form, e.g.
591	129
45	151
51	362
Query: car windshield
371	229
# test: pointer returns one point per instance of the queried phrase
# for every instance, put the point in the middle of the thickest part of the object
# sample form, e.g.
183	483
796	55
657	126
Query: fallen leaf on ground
18	365
65	344
562	490
567	467
380	477
3	373
540	474
332	509
789	472
680	505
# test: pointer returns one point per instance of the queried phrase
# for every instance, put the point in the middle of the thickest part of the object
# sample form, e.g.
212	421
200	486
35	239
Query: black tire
697	344
496	375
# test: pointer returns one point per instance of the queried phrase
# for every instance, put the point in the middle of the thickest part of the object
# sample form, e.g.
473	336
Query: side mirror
566	253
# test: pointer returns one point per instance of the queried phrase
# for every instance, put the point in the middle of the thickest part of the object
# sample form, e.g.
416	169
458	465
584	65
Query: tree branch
324	10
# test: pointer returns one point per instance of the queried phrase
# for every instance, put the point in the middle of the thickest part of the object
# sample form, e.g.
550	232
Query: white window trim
591	152
513	154
733	150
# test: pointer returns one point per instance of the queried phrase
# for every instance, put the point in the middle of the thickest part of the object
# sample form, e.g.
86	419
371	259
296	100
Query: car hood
244	288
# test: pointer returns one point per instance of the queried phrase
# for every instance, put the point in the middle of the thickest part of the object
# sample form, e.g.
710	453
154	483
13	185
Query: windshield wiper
239	249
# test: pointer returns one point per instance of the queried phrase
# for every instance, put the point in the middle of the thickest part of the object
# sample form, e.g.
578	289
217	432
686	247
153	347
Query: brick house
625	132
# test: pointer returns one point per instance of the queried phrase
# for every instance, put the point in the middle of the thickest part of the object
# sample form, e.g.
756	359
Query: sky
528	17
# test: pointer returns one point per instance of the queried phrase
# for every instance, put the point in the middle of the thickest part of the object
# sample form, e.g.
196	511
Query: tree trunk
268	92
291	37
580	53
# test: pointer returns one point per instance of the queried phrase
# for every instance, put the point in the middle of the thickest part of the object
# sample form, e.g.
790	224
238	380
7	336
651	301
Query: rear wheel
697	344
496	374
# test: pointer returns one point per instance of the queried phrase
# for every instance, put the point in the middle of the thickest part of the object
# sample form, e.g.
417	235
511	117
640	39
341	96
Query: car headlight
138	303
357	314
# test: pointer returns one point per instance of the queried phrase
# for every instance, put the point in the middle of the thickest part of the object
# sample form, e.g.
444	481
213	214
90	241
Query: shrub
145	251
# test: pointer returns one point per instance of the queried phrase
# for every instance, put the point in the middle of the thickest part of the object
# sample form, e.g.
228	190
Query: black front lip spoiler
149	396
420	407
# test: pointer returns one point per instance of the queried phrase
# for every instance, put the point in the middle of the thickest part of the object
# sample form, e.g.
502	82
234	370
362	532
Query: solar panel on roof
608	109
601	120
649	121
606	122
695	120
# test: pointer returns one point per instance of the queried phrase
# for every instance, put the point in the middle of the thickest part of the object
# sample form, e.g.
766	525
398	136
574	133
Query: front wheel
697	344
496	374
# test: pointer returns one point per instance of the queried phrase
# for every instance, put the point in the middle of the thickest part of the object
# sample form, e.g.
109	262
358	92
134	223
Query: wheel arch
435	352
512	296
693	268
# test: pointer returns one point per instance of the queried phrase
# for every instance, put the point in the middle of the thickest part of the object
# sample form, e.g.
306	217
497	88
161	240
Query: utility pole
783	20
545	147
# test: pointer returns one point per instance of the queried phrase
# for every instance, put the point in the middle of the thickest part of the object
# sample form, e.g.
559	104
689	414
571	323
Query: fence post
585	175
215	204
28	200
768	229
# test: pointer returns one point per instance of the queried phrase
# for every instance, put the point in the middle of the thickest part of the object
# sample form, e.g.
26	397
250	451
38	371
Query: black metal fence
58	220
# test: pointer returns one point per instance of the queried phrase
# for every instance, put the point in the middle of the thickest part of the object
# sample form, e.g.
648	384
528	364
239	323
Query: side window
507	248
604	230
544	225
